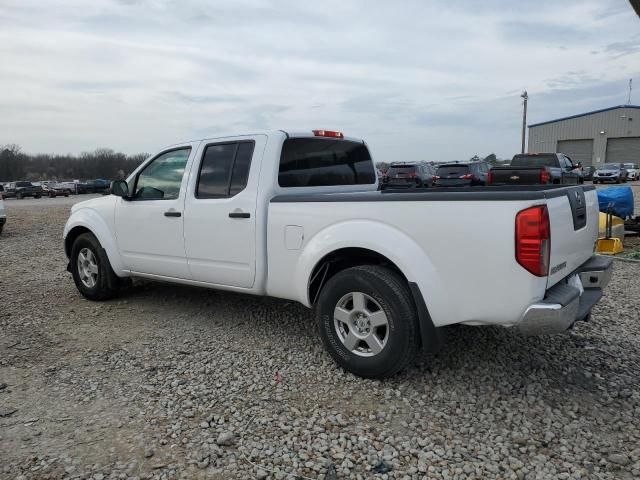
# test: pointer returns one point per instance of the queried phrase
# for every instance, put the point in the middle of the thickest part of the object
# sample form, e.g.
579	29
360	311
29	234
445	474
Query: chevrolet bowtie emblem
514	177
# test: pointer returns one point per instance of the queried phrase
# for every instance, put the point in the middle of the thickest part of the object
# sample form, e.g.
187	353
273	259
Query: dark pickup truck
536	169
22	189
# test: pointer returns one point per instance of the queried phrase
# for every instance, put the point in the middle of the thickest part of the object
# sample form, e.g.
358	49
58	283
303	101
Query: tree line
101	163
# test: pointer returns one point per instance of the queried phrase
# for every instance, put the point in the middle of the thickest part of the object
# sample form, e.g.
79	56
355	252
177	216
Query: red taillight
490	178
412	175
466	176
545	176
533	240
328	133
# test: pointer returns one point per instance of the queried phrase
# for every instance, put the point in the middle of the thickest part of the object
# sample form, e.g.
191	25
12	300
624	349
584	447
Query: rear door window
316	162
224	169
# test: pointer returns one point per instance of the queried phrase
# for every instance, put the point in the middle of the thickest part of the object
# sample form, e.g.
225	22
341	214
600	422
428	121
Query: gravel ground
174	382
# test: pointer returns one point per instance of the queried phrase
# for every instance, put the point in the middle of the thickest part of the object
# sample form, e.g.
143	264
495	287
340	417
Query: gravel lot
174	382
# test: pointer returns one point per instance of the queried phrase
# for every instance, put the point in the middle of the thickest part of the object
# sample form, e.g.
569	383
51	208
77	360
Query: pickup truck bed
476	226
298	216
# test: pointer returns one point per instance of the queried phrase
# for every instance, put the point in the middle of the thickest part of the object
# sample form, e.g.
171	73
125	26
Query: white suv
633	169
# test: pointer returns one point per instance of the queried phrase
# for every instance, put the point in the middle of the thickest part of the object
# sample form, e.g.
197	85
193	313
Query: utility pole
630	88
524	117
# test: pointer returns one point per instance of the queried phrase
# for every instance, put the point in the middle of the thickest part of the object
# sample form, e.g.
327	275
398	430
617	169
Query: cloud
417	80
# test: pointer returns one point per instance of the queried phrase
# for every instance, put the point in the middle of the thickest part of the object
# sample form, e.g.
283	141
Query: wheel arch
343	245
341	259
88	221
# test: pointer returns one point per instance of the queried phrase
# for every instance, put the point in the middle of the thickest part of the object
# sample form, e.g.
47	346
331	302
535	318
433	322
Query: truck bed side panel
460	253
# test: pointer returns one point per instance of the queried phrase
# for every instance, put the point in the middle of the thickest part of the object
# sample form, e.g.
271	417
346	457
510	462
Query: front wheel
19	196
91	270
368	322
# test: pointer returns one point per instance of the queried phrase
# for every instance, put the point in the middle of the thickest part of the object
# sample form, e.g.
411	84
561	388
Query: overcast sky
419	80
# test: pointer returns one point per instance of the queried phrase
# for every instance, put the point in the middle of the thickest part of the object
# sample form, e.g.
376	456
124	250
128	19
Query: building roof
584	114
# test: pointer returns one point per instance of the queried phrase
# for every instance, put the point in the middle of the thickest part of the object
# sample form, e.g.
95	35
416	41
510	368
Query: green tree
491	158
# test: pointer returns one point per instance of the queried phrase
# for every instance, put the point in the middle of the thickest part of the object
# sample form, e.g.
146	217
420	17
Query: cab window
161	179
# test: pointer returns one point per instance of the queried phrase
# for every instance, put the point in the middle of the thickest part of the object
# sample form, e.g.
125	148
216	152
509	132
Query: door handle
239	215
171	213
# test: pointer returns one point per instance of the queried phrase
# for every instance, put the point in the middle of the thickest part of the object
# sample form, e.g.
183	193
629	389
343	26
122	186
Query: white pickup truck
299	216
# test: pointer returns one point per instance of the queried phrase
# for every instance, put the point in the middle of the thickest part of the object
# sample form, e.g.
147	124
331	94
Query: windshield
535	161
629	165
23	184
611	166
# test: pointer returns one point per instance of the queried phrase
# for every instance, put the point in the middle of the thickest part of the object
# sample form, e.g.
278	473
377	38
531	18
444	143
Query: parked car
298	216
97	186
610	172
467	174
55	189
537	168
633	171
587	172
409	175
22	189
3	214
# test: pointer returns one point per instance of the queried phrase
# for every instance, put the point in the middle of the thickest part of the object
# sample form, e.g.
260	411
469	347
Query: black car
409	175
537	168
462	174
610	172
22	189
97	186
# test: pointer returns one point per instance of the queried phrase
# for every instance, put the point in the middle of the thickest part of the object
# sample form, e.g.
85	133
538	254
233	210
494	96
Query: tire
618	180
1	227
19	195
378	290
105	283
37	196
52	195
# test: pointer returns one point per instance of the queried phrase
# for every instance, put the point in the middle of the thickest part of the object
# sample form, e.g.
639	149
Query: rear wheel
368	322
91	270
19	195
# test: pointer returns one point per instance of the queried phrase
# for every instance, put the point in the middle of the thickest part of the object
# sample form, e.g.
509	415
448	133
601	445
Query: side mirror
119	188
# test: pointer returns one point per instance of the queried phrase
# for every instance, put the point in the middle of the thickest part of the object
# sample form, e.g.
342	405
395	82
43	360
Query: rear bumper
452	183
564	304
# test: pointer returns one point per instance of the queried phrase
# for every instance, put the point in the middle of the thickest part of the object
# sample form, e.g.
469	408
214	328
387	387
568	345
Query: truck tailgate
573	217
515	175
